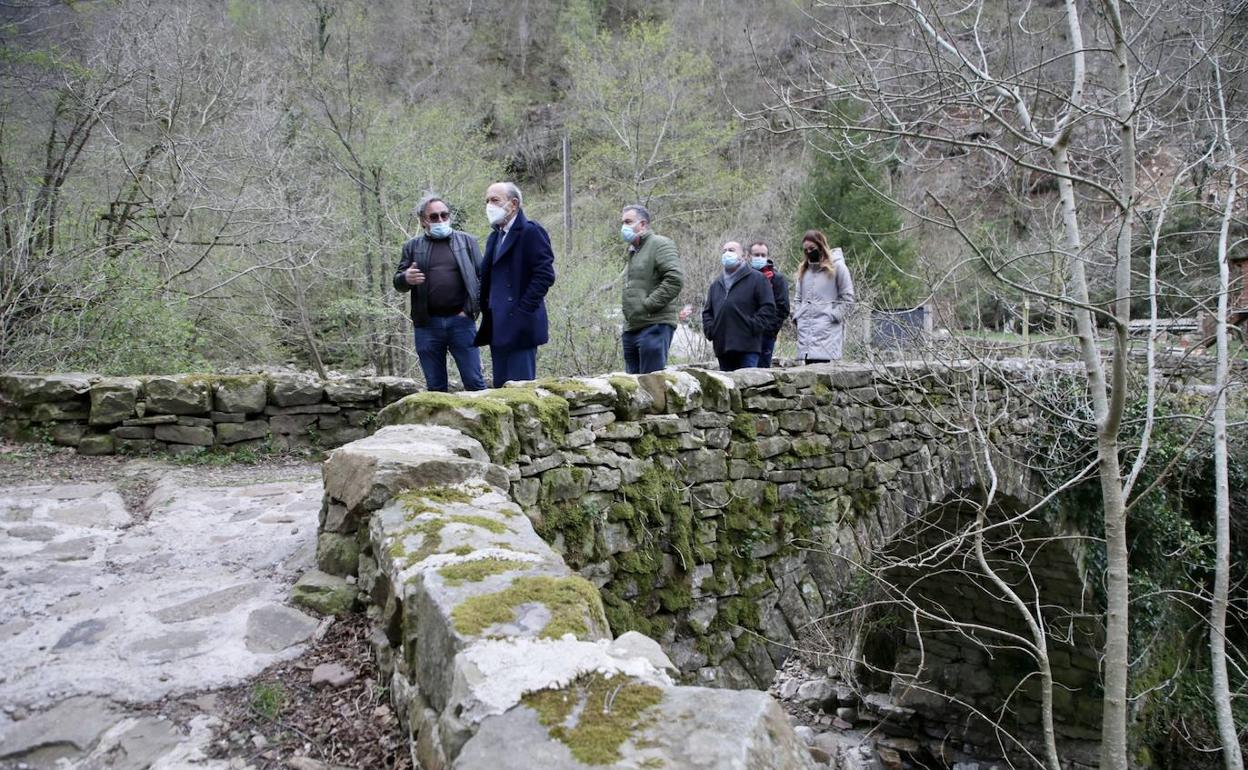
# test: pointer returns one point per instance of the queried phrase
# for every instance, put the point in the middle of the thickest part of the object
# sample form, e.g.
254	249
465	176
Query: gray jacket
822	301
467	256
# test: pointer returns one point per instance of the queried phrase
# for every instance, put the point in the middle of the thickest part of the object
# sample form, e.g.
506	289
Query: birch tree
1065	95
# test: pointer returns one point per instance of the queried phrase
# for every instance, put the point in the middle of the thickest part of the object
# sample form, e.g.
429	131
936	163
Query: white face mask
495	214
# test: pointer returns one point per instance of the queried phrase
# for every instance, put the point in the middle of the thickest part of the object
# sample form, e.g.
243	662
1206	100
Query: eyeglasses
439	216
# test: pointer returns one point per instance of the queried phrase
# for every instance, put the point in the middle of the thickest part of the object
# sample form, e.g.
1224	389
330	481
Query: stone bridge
503	537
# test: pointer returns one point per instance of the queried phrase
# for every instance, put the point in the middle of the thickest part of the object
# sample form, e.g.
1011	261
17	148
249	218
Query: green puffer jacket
652	283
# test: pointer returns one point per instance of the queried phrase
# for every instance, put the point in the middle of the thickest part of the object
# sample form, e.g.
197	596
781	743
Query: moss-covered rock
337	554
323	593
573	602
594	715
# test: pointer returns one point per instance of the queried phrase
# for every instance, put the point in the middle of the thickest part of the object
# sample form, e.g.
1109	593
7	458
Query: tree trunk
1232	753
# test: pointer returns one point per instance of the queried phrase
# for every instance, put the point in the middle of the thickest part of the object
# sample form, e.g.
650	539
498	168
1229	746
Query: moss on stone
477	570
624	386
594	715
738	611
572	601
620	512
646	446
565	387
674	598
808	446
743	427
487	428
551	410
622	616
424	499
430	531
575	522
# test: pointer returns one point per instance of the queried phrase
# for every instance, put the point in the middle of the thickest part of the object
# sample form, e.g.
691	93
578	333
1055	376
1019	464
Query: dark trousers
453	334
733	360
645	349
769	347
513	364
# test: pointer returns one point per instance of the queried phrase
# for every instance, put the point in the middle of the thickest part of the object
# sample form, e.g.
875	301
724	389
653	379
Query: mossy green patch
607	711
551	411
743	427
477	570
573	603
624	386
486	427
424	499
430	531
565	387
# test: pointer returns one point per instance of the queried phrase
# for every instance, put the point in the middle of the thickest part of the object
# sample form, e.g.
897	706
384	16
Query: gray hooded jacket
822	301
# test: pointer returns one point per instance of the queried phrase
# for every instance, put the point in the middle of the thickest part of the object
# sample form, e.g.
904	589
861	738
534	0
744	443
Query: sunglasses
439	216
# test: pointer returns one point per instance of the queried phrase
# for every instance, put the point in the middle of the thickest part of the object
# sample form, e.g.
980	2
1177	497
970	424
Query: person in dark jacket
442	270
519	269
761	261
740	308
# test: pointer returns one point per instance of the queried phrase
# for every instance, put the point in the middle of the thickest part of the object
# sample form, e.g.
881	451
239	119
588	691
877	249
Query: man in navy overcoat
519	269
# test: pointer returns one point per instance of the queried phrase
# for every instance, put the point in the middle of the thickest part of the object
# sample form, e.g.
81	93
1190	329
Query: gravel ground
279	716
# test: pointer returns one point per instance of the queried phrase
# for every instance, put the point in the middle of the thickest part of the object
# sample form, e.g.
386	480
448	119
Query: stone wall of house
184	414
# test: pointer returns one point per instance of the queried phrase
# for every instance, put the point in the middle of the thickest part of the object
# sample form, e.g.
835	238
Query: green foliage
845	196
268	699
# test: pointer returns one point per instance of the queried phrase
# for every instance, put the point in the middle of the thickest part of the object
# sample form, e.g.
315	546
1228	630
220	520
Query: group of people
452	284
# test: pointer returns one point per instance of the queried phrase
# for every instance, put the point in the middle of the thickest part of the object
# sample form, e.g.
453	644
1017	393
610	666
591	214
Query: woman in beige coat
825	295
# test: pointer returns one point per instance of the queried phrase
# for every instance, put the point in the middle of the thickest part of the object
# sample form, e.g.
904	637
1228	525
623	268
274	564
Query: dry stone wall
184	414
496	653
722	514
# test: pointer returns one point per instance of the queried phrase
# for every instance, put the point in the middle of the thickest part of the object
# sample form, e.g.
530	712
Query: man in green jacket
652	283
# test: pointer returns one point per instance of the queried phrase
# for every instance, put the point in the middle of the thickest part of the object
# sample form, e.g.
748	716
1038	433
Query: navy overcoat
514	282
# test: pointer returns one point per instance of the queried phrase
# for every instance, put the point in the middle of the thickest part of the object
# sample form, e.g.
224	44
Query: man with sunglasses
442	270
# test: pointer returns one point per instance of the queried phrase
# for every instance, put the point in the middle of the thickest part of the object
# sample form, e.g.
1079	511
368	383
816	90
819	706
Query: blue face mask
628	234
758	263
440	230
730	259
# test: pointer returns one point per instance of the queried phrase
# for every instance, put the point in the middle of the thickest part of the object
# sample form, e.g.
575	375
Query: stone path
104	609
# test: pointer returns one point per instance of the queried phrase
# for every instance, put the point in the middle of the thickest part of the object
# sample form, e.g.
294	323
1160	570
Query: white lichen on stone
493	675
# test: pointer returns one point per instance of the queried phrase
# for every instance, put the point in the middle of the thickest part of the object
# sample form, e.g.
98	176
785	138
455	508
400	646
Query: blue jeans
645	349
453	334
513	364
769	347
733	360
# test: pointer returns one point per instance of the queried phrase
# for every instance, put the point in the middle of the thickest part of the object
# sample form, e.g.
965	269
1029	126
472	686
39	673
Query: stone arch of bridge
944	641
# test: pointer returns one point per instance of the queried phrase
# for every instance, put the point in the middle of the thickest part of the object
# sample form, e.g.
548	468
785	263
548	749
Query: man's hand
685	312
413	276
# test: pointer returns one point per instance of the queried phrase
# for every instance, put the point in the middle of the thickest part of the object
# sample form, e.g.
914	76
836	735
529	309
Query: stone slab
143	610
